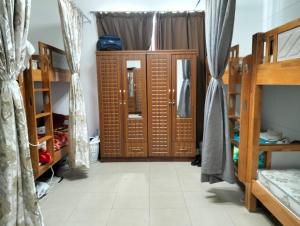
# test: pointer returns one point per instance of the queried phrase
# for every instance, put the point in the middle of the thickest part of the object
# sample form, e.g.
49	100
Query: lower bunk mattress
284	185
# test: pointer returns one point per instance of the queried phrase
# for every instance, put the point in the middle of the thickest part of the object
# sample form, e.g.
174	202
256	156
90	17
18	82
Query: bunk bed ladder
234	91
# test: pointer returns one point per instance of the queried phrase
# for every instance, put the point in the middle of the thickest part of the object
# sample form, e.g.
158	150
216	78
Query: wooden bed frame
268	72
38	80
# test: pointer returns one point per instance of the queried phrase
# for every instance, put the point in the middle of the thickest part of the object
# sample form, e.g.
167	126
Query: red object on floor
44	156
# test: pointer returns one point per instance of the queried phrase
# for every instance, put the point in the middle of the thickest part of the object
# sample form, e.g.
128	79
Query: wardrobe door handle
120	96
170	97
173	96
124	93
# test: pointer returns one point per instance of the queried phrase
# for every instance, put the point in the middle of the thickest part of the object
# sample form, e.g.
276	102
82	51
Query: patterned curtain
18	201
217	162
72	25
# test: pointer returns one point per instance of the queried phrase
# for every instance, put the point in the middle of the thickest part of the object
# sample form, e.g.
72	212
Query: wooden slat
44	138
36	75
282	73
234	93
226	77
44	114
282	213
234	117
235	142
41	90
42	170
279	147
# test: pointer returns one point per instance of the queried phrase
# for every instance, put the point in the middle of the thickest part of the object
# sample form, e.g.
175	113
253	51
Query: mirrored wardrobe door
135	108
183	104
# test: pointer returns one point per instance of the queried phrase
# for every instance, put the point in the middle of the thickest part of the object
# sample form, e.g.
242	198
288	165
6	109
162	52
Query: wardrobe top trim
126	52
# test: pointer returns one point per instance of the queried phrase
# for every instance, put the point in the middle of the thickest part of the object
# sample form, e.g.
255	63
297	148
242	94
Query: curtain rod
178	11
88	20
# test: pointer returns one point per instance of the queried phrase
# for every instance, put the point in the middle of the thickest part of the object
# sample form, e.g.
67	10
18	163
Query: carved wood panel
159	82
110	108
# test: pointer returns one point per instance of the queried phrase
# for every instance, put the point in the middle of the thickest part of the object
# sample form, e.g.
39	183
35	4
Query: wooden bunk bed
272	65
44	134
237	77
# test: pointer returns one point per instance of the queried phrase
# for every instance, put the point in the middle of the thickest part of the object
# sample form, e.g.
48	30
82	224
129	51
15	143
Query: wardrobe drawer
184	149
136	150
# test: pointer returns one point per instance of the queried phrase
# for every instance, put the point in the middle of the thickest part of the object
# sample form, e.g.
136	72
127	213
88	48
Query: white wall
45	27
248	21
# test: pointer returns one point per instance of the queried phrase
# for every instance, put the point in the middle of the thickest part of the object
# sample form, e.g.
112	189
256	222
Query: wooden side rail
279	147
282	213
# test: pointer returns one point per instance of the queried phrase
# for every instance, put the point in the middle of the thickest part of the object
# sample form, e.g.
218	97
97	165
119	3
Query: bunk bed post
254	120
244	117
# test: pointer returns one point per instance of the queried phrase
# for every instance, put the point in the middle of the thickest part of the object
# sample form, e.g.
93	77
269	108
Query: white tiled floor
145	194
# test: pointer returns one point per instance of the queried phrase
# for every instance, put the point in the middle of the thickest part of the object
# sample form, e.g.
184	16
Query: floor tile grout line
182	193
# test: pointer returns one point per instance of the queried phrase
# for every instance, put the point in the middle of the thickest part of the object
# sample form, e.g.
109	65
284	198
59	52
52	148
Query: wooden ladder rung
234	117
44	114
234	93
44	138
42	90
235	142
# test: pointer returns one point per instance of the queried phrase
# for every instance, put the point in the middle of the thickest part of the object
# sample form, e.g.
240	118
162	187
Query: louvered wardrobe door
110	102
159	109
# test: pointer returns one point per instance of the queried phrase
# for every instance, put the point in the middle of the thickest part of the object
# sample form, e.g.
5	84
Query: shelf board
44	114
44	138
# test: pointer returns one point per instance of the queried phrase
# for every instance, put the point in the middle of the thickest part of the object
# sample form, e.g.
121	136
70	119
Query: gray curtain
135	29
18	201
184	105
217	162
72	25
185	30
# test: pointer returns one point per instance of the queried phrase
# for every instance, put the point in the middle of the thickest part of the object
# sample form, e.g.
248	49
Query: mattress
284	185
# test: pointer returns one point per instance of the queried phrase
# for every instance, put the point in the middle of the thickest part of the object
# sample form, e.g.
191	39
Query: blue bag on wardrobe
109	43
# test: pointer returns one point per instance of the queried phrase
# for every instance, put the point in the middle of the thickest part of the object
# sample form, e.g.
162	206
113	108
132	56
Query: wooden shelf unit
43	78
266	73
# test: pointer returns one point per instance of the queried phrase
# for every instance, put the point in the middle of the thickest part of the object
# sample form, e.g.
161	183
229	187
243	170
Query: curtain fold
217	162
18	201
135	29
185	30
72	26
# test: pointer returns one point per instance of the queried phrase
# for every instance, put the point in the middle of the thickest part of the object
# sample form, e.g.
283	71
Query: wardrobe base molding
148	159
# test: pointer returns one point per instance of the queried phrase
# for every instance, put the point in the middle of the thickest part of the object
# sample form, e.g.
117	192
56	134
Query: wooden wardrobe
147	104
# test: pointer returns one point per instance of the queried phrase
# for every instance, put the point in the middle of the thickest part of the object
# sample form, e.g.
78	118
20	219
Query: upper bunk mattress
284	185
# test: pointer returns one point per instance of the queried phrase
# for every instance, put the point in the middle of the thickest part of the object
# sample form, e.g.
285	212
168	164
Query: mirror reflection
183	88
134	81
